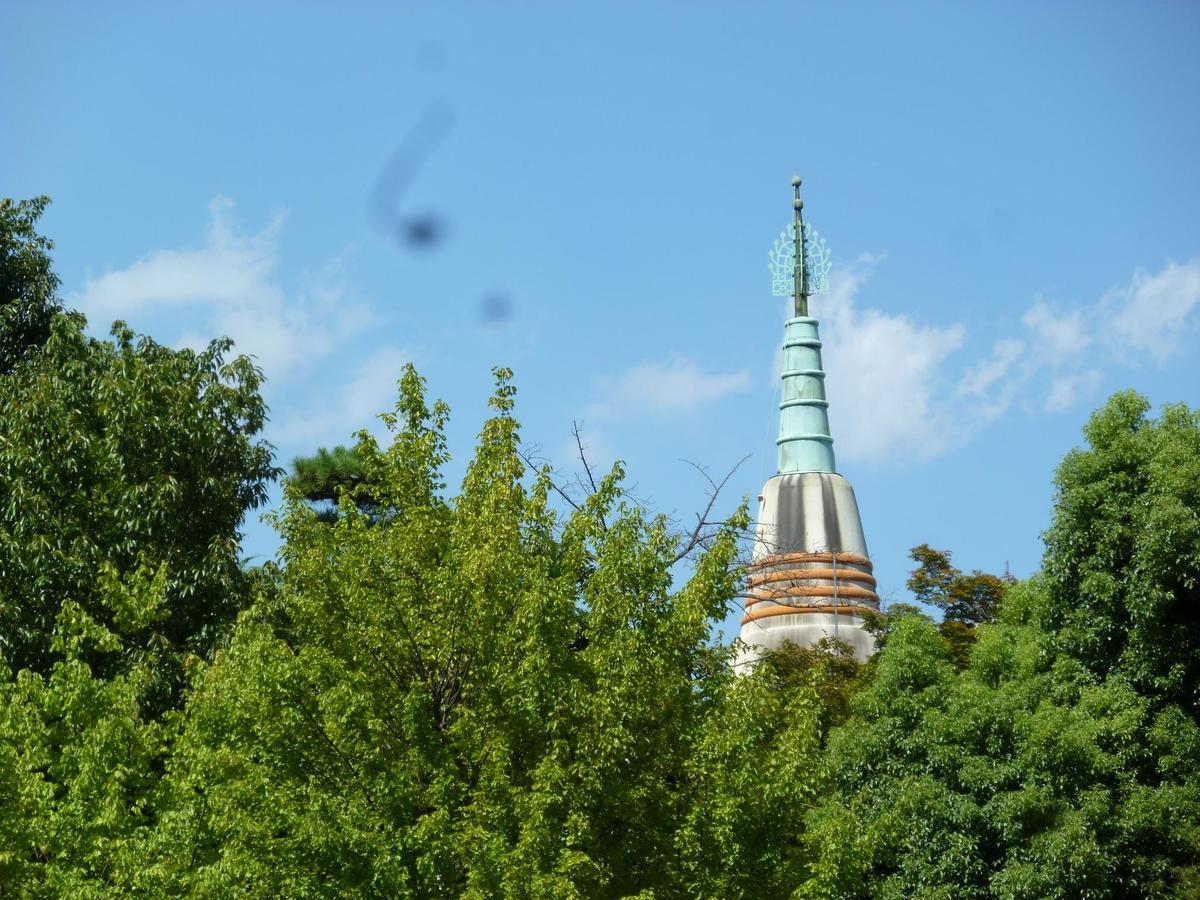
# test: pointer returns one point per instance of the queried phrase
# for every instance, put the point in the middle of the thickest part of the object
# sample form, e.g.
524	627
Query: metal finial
799	288
799	260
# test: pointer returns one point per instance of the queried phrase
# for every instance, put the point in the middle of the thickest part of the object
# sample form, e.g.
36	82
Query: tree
1045	768
829	667
322	478
1015	778
415	715
1123	554
126	469
125	461
326	474
966	601
27	281
79	765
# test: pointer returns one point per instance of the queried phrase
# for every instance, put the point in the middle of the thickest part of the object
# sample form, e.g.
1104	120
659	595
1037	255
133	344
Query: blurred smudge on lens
424	231
421	232
495	308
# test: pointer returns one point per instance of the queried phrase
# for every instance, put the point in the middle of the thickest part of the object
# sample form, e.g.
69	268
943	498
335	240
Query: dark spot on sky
426	230
421	232
495	308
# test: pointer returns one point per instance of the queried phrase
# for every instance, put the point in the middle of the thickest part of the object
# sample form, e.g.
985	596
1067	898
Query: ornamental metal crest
816	262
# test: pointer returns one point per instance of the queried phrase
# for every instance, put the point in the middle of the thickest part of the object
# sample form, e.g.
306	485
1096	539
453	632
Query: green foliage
79	765
326	475
829	667
476	697
1012	779
965	600
126	469
1064	759
969	599
27	282
1123	555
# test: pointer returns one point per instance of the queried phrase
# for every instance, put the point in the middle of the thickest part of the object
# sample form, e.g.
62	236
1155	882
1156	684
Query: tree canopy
1064	760
480	697
28	285
965	600
123	464
473	692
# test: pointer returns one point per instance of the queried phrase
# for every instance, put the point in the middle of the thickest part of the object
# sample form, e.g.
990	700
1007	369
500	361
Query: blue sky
1009	190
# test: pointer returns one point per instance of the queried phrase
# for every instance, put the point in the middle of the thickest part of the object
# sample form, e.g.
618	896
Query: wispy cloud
333	414
675	386
1061	334
901	389
886	374
229	285
1067	390
1150	312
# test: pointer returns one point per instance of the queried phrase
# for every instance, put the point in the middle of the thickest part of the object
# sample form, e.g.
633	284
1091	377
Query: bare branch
583	455
586	466
706	529
554	484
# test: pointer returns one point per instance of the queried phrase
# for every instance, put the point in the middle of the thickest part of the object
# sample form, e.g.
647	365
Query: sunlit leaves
478	695
1062	760
126	470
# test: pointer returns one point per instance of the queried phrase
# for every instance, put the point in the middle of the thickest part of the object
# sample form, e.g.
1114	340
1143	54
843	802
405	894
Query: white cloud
674	386
1067	390
885	375
229	285
1149	313
332	415
993	370
1058	334
899	388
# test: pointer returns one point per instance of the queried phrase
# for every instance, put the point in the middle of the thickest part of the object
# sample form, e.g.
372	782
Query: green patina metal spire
805	444
800	285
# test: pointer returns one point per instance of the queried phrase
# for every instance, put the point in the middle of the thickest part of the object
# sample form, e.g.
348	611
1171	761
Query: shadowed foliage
965	600
28	284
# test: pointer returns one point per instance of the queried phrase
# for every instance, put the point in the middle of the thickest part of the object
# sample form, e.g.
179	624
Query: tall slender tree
28	285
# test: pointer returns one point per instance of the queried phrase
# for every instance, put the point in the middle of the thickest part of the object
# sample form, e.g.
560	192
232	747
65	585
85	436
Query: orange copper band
807	602
814	590
812	605
810	575
781	558
802	610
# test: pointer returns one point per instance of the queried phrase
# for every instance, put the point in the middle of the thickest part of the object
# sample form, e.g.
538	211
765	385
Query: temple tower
810	575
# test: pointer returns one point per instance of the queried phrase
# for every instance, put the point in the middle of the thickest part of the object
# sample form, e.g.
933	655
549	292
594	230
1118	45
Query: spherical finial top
795	181
798	203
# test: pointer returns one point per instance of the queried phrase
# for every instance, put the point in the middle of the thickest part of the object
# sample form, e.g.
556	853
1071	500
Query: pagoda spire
810	577
805	443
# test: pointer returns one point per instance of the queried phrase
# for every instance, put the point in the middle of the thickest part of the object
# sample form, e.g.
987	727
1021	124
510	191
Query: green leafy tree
416	714
966	601
79	763
1044	768
125	471
122	461
829	667
1123	555
1021	777
28	284
325	475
